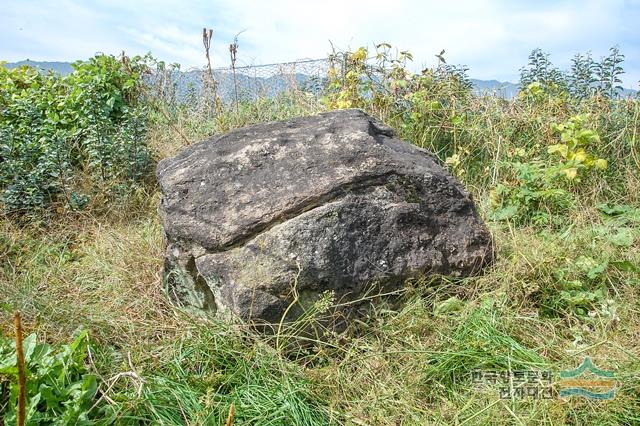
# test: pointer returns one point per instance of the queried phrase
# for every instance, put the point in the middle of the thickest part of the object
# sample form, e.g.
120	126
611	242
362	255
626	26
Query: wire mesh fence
251	82
236	84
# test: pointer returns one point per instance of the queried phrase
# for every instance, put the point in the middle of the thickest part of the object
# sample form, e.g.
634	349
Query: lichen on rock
333	202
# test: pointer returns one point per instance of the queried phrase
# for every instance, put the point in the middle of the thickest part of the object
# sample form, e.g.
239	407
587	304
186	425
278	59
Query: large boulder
268	214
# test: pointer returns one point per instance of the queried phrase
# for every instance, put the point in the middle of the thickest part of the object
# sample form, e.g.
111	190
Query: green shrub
63	138
541	186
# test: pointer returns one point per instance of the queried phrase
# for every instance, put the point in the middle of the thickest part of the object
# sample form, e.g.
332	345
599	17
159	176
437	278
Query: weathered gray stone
332	202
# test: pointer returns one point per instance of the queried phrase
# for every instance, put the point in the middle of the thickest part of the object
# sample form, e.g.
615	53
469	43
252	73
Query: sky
492	38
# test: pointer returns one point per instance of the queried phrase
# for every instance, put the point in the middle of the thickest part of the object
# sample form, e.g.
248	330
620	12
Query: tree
608	73
541	70
582	77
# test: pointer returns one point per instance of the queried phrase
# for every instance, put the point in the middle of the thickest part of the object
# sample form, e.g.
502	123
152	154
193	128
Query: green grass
159	365
210	368
545	304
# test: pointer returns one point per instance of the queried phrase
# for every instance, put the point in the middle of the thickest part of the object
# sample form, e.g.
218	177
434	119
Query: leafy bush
575	139
348	87
61	137
579	288
541	187
534	195
536	170
60	390
540	70
608	73
423	107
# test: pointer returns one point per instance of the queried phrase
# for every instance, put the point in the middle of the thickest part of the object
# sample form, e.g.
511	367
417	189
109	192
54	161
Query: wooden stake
22	382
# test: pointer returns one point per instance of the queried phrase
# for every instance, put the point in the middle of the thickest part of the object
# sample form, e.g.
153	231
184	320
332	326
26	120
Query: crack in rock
334	203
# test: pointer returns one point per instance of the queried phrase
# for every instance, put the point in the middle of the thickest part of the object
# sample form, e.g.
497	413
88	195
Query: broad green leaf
626	266
570	173
624	237
40	352
560	148
452	304
572	285
597	270
614	210
580	156
28	346
505	213
600	164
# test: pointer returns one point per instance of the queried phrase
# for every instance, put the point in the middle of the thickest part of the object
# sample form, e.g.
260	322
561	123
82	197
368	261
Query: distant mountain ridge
503	89
62	68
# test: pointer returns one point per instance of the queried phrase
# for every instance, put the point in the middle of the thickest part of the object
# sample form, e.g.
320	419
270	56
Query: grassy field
565	285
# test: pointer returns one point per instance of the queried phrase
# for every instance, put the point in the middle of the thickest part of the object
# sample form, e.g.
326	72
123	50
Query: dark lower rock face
326	203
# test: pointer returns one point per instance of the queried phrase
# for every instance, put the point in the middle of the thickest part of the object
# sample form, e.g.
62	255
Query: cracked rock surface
332	202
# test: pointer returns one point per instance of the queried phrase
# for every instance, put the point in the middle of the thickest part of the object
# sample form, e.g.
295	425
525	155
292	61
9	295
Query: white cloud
169	42
492	37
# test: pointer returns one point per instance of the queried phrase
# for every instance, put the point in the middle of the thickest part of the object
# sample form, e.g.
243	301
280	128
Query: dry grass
88	273
101	271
